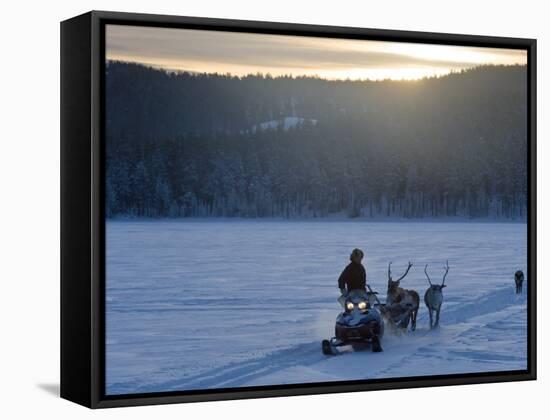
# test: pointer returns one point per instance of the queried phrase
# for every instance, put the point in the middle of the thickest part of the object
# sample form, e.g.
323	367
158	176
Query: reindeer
433	298
402	300
519	277
396	316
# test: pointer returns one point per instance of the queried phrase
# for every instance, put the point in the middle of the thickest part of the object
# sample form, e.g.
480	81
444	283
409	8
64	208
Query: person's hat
356	253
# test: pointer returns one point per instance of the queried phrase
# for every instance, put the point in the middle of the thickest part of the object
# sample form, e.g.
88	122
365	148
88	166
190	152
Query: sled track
456	324
456	321
462	312
238	373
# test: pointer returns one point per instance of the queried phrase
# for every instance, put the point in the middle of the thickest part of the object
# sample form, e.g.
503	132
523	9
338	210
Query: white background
29	210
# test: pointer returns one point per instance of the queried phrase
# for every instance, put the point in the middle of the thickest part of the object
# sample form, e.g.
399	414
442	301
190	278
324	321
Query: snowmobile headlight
362	305
349	306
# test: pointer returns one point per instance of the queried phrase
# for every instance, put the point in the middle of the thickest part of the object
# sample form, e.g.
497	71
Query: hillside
187	145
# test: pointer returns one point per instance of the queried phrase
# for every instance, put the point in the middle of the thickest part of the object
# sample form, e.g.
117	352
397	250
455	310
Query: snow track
237	374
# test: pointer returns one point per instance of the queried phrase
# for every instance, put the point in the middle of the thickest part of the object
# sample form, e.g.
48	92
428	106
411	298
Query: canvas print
295	210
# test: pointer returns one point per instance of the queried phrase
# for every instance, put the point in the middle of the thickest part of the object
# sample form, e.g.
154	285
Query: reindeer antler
406	272
426	272
446	271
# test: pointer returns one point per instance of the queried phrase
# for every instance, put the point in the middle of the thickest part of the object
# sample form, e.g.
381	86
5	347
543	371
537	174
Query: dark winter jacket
353	277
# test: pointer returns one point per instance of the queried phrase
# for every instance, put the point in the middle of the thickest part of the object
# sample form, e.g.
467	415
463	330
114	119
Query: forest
182	144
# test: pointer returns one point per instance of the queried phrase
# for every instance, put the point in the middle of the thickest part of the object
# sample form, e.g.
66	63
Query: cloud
243	53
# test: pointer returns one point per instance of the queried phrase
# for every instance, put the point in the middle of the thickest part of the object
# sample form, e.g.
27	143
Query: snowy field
208	304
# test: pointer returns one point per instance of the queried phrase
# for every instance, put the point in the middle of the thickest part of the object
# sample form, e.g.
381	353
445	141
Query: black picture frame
83	221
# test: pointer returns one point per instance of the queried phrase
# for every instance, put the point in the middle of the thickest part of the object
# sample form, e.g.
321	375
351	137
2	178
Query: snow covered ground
197	304
286	123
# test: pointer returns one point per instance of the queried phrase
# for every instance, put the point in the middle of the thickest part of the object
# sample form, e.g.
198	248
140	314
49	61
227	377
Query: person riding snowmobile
354	276
360	323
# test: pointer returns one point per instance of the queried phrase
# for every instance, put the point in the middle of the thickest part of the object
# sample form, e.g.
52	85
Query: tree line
217	145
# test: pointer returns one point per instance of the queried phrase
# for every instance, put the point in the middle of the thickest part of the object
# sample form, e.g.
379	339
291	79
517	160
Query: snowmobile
359	325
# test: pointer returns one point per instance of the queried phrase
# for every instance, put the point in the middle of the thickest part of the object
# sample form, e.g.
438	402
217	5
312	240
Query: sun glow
241	54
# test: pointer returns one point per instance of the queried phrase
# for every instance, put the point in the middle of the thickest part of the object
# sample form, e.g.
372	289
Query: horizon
241	54
307	76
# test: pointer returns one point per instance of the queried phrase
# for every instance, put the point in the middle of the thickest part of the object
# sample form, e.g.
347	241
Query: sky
244	53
